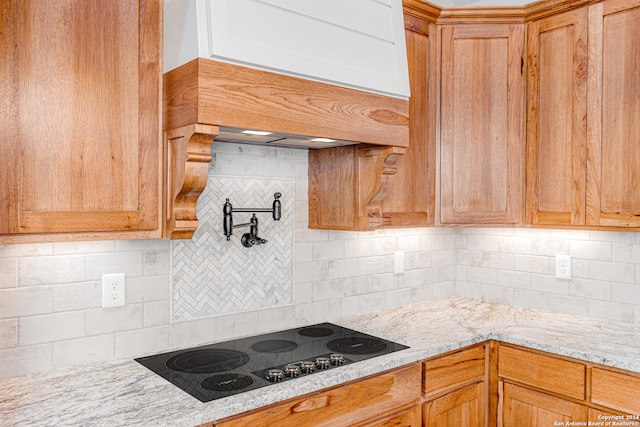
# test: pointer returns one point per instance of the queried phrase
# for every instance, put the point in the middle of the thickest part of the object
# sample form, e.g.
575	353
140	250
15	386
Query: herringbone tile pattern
213	276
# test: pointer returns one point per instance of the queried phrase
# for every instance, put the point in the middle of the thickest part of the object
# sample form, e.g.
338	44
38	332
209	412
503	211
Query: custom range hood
245	70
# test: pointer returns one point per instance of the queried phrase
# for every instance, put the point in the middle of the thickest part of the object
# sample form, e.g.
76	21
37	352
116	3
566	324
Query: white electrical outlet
113	290
563	266
398	262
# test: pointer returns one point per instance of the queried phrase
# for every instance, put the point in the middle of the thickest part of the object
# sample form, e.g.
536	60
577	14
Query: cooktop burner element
357	345
219	370
315	332
207	361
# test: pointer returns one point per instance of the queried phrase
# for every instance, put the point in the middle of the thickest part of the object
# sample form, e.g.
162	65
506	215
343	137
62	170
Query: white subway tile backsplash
130	263
26	250
612	271
591	250
77	296
534	264
8	333
514	279
613	311
549	284
482	242
499	294
8	273
303	252
73	248
569	305
498	260
277	318
590	289
531	299
18	302
50	270
372	265
329	250
25	360
550	247
50	327
157	262
139	342
342	269
103	321
147	288
487	276
358	248
514	245
155	313
625	293
80	351
193	333
626	252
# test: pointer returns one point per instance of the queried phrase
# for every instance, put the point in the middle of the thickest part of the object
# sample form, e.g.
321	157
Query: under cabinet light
256	132
323	140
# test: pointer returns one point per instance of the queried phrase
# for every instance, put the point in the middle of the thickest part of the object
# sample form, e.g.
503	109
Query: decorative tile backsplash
213	276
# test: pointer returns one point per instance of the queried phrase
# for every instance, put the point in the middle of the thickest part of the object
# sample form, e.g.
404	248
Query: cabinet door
557	119
522	407
80	138
461	408
481	124
410	201
613	156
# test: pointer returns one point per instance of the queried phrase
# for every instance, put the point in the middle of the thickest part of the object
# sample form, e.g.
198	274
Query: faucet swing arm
251	238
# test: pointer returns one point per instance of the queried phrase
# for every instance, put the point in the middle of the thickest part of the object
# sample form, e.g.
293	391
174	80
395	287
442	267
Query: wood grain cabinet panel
80	139
615	390
462	408
522	407
542	371
481	176
454	369
557	119
613	156
373	401
410	201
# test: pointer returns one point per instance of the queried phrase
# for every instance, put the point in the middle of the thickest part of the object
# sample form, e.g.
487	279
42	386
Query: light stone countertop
130	394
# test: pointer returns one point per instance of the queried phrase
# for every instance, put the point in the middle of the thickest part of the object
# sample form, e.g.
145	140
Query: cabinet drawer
549	373
454	369
614	390
343	405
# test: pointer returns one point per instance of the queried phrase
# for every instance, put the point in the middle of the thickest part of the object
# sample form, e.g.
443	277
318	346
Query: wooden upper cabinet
613	154
80	124
481	124
557	119
410	201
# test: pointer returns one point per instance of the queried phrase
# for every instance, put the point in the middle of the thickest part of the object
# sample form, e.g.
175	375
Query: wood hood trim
221	94
204	94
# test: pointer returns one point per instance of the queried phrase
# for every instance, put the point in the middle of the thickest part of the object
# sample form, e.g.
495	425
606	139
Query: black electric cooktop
219	370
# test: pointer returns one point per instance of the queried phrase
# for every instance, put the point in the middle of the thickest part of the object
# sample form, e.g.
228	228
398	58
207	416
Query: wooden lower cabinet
487	384
407	418
523	407
387	399
463	408
454	388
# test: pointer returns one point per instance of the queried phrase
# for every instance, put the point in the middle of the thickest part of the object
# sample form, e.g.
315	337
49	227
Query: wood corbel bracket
376	167
188	151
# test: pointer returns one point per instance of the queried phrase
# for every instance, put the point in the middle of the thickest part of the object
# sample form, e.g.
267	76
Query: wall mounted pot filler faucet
251	238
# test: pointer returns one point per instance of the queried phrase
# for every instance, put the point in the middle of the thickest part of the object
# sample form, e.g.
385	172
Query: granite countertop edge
127	393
